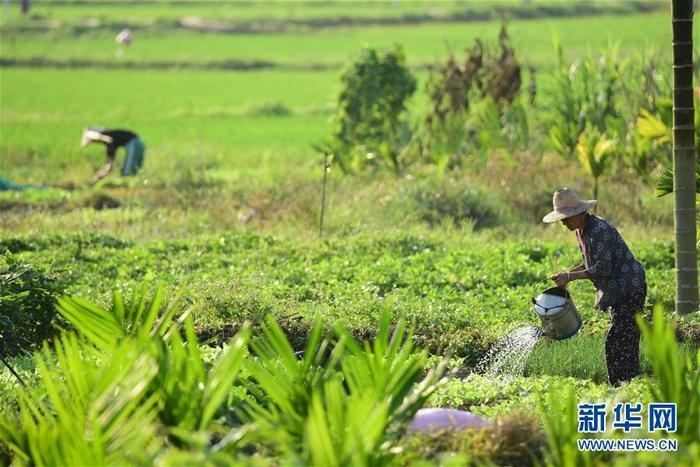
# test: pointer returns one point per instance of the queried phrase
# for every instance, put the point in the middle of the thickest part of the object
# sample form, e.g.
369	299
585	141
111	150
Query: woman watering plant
618	278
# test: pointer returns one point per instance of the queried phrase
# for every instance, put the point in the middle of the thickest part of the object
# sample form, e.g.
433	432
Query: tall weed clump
475	106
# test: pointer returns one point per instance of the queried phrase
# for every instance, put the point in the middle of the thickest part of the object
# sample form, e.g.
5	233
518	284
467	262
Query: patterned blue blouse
609	263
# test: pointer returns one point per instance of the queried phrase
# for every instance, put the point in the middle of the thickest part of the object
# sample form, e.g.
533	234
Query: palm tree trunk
684	158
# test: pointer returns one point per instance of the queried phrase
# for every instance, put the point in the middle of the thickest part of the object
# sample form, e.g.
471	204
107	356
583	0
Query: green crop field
425	44
235	101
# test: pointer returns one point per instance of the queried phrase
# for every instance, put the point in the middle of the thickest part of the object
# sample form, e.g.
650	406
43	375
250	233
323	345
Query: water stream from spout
510	353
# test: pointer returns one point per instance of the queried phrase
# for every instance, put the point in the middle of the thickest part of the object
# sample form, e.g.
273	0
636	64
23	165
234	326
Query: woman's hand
562	278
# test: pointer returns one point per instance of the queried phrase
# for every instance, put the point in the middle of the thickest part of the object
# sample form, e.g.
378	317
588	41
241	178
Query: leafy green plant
652	127
594	151
351	409
27	299
648	149
192	392
91	408
189	391
392	366
677	379
654	145
345	429
282	385
582	96
491	126
664	185
136	318
559	412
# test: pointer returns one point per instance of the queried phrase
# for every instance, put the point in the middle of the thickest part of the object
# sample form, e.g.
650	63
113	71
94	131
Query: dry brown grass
514	439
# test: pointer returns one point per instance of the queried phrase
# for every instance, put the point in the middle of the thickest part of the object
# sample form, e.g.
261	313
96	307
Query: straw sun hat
566	204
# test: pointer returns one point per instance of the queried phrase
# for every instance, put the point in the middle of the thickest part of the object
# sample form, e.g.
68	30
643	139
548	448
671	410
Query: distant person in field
618	277
113	140
123	39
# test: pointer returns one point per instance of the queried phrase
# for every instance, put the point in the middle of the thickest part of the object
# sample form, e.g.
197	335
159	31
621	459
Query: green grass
214	123
216	120
424	44
222	122
455	292
227	206
583	357
149	93
148	12
498	396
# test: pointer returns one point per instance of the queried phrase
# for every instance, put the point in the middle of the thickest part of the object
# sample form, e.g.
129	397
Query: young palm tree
594	151
684	158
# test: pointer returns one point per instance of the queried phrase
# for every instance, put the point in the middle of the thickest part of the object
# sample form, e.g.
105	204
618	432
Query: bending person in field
114	139
618	277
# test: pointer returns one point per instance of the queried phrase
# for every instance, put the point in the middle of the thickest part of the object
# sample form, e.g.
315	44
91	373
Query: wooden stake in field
323	192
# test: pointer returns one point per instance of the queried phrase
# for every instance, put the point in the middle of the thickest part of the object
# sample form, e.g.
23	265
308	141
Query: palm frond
88	410
594	151
664	185
348	406
652	127
678	381
137	318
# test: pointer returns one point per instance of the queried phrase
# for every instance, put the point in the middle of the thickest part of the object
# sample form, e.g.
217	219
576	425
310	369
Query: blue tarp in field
6	185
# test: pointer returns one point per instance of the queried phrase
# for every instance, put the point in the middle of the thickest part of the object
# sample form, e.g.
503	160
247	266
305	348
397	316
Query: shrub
27	297
458	203
268	109
370	129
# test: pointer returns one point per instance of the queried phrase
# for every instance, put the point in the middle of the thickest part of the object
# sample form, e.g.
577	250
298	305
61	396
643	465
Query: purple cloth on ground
435	419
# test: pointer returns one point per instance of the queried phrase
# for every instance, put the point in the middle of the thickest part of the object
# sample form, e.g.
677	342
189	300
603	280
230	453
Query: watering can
557	312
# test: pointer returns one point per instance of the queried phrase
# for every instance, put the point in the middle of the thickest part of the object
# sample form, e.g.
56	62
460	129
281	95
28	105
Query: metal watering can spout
557	313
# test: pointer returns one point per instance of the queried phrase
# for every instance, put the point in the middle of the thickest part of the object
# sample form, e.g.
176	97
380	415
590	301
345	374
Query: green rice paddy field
423	43
226	208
